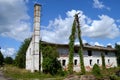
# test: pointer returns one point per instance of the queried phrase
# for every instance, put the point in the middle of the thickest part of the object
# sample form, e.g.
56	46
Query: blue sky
99	19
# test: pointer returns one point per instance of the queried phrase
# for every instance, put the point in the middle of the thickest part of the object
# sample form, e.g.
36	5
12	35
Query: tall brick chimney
36	37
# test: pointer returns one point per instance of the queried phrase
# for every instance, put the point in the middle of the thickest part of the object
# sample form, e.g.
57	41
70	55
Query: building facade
91	56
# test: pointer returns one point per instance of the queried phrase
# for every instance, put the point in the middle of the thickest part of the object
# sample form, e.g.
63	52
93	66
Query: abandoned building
91	54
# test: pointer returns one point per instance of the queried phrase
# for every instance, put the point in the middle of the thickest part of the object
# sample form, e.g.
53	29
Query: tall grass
22	74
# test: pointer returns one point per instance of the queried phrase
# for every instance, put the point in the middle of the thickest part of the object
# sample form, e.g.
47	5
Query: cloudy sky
99	20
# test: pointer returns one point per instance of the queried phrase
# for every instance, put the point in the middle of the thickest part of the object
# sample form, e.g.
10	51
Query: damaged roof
85	46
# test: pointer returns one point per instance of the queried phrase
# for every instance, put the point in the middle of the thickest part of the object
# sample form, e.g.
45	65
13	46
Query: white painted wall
29	56
96	55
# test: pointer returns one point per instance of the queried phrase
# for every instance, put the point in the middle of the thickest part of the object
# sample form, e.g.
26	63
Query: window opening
108	61
75	62
63	62
91	62
89	53
97	61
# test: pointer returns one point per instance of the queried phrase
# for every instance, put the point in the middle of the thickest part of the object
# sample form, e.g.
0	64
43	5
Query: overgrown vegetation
81	46
75	30
103	61
71	48
21	54
96	70
117	47
21	74
50	62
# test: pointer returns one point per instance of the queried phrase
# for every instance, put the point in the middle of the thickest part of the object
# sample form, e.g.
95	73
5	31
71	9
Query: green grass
22	74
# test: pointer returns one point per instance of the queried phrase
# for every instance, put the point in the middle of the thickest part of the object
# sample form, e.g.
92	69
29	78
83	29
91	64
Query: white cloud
8	52
19	33
103	28
14	19
59	29
118	42
99	5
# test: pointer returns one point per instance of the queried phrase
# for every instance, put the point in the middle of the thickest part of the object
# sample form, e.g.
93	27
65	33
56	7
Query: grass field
22	74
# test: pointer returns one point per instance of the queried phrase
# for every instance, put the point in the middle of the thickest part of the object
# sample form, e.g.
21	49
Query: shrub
50	62
113	77
96	70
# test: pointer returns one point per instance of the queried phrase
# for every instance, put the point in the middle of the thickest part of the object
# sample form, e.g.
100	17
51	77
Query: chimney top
36	4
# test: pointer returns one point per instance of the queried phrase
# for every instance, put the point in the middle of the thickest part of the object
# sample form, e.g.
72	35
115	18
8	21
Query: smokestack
37	9
36	37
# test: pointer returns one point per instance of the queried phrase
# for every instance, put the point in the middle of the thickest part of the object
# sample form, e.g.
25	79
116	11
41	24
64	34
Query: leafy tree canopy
8	60
21	54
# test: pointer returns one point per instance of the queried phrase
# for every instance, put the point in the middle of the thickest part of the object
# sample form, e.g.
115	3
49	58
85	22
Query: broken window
97	61
75	62
89	53
75	50
63	62
106	53
91	62
108	61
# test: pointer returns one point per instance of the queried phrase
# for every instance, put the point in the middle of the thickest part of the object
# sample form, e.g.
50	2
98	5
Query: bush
50	62
113	77
96	70
51	66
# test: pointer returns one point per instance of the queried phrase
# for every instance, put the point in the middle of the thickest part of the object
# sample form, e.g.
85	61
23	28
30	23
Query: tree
1	59
50	62
75	29
117	47
21	54
8	60
103	61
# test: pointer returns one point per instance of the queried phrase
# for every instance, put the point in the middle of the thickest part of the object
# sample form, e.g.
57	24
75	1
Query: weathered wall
110	59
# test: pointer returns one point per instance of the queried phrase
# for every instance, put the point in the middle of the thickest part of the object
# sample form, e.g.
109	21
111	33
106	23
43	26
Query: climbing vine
71	48
103	61
81	46
75	29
